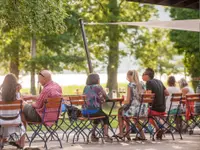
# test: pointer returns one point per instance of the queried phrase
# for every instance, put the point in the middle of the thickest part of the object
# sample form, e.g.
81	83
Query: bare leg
94	129
23	120
105	130
141	131
120	121
127	127
21	141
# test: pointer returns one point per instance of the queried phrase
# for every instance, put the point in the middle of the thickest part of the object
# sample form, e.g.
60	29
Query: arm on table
29	97
166	92
128	97
185	91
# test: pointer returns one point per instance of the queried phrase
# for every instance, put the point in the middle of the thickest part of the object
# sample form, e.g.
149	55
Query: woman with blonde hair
131	105
184	87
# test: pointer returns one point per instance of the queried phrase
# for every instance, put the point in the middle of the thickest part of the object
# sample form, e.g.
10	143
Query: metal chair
194	118
51	106
83	125
14	108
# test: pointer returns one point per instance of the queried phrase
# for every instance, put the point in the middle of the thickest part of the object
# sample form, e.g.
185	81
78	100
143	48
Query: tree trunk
33	54
113	54
14	63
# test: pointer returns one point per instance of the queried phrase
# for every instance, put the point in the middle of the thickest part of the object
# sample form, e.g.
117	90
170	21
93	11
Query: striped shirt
50	90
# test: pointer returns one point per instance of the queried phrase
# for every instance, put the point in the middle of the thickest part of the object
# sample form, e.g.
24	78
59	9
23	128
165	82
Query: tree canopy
187	42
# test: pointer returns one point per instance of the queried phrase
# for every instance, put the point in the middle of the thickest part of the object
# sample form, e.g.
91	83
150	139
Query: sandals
108	139
16	145
128	138
94	138
118	136
159	134
138	138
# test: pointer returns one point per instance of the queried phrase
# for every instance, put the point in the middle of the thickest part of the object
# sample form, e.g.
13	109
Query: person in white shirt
185	89
171	82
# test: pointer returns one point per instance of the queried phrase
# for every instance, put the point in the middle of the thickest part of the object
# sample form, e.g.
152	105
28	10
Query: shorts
31	114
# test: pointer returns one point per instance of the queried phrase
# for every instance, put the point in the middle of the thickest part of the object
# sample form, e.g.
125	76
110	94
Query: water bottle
114	94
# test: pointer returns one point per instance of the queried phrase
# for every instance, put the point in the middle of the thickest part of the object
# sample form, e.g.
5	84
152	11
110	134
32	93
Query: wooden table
114	101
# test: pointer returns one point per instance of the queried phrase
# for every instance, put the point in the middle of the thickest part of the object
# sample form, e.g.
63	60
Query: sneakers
94	138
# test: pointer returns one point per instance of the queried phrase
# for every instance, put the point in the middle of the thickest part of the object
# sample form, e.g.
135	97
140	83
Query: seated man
34	112
159	104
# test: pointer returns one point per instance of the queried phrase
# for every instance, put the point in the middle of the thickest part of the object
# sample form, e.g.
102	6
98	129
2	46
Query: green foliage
156	51
47	21
187	42
104	40
34	16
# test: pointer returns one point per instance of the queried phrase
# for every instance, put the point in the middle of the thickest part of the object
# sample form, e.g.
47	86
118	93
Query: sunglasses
41	74
144	74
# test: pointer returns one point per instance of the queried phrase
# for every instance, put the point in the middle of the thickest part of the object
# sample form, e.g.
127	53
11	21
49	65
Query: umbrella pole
85	45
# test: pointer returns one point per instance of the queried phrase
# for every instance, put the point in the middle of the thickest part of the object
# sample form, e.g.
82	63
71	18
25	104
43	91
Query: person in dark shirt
155	86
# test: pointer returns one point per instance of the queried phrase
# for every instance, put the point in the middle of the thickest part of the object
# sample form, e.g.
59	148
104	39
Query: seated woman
131	105
171	82
185	89
9	94
95	96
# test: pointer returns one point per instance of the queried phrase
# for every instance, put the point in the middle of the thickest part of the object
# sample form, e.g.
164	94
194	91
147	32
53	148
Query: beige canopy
187	25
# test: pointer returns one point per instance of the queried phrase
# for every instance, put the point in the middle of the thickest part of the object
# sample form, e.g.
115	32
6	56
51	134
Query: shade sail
186	25
194	4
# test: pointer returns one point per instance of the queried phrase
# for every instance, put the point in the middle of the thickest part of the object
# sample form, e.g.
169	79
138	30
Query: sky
129	62
163	15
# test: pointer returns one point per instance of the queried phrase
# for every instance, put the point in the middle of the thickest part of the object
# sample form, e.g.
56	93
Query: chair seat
10	125
195	114
34	122
91	118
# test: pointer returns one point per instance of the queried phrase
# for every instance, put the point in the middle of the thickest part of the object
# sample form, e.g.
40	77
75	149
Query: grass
114	124
71	89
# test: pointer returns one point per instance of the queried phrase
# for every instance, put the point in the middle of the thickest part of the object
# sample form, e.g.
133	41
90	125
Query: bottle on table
114	94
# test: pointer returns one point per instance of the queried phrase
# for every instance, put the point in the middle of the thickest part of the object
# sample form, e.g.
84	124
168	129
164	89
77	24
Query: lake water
79	79
68	79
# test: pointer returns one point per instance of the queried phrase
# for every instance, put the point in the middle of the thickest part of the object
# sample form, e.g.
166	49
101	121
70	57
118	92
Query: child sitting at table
95	96
131	106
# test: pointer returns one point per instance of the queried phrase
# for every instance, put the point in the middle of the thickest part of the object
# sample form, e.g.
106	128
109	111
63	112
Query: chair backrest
75	99
53	102
147	98
52	109
10	106
193	97
176	97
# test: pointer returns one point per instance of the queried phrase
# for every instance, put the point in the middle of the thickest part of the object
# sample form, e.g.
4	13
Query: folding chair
51	106
83	125
166	118
9	111
143	121
68	121
176	103
146	99
194	118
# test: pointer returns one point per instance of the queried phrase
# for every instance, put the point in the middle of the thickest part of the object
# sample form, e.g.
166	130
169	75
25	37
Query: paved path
188	143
